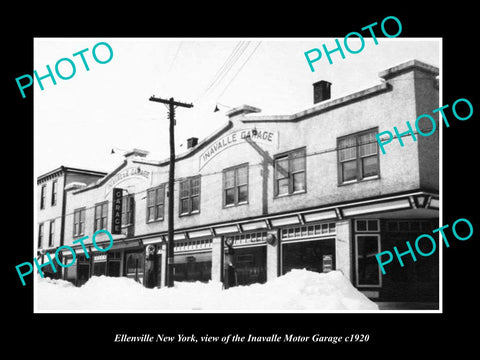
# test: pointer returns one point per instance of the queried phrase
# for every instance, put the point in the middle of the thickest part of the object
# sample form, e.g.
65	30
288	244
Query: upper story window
101	213
54	192
128	210
235	185
40	235
43	194
79	222
357	156
190	196
155	203
51	233
290	171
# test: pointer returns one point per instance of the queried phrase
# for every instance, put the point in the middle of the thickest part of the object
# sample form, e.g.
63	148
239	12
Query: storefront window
317	255
194	267
99	268
250	264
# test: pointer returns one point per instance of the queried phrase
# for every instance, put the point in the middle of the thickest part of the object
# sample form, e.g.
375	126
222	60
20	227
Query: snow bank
297	290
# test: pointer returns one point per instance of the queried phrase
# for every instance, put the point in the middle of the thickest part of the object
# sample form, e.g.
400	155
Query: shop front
310	247
193	260
415	281
250	257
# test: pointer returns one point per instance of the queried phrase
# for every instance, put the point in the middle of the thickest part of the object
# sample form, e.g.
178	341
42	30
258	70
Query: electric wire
240	69
227	65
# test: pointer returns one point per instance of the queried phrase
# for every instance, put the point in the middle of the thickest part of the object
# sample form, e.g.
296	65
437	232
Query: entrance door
83	273
134	265
113	265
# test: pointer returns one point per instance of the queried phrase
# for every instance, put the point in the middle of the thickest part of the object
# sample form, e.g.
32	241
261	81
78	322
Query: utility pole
171	178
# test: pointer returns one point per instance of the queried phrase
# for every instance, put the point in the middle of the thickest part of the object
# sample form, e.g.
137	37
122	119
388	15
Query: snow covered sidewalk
298	290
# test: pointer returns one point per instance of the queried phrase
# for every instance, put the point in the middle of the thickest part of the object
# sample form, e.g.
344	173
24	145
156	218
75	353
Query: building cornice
64	169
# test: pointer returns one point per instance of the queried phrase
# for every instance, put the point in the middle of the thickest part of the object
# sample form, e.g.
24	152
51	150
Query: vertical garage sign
117	211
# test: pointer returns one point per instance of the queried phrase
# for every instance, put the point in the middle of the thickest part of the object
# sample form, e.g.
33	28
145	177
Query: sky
78	121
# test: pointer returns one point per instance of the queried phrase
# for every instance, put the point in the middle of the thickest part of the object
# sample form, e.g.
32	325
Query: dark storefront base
193	267
250	265
413	285
416	281
412	305
317	255
193	271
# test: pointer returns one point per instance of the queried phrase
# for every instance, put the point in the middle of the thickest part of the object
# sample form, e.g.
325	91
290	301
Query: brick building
305	190
51	207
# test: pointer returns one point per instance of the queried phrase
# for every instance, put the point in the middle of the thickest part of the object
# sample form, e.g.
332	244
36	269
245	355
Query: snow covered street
298	290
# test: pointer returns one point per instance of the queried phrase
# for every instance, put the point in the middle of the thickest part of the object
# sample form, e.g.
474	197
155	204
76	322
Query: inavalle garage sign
235	138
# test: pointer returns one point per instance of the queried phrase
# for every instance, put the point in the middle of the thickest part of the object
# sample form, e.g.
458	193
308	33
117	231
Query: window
367	225
101	212
300	232
190	196
54	192
128	210
79	222
290	173
357	156
155	203
235	185
51	233
43	194
368	272
40	235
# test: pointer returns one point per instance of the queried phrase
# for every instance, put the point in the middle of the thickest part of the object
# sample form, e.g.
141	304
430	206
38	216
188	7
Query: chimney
191	142
321	91
136	153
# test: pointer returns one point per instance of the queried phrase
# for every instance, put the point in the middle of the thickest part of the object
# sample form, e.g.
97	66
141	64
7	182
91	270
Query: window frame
51	233
155	205
236	186
126	201
290	158
76	230
40	235
189	180
367	230
43	196
53	201
358	158
105	224
379	245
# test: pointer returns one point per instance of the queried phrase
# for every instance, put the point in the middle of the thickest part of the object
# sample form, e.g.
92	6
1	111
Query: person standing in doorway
230	273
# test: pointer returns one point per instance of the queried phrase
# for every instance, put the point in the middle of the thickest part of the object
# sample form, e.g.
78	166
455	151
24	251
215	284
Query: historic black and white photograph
237	174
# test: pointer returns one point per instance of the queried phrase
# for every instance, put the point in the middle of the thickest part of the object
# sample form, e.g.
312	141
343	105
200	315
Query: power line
175	57
227	65
240	69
